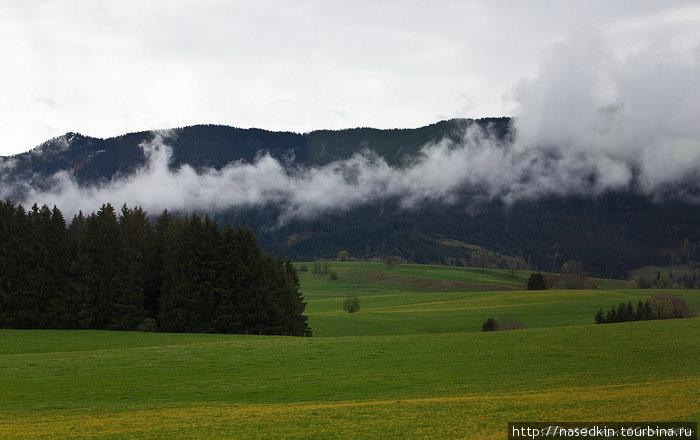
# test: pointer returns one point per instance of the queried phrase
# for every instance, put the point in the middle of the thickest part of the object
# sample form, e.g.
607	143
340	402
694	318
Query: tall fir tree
133	247
96	272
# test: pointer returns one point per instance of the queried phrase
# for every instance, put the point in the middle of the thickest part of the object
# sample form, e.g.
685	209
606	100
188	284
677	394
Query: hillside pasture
412	363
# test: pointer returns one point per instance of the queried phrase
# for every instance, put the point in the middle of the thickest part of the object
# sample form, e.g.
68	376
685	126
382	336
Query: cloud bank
588	122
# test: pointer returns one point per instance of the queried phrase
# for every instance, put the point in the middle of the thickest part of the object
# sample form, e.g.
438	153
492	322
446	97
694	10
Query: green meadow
412	363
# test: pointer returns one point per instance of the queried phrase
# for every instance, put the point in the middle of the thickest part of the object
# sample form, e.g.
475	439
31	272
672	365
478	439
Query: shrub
392	261
148	325
303	268
665	306
351	304
333	275
536	282
343	256
490	325
321	267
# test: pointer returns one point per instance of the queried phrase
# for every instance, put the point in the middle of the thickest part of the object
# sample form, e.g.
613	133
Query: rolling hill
412	363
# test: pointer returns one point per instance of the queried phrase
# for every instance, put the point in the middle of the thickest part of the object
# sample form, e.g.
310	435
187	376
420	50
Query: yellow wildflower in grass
471	416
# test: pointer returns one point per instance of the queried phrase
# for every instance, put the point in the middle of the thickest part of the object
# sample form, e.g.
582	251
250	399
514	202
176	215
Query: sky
105	68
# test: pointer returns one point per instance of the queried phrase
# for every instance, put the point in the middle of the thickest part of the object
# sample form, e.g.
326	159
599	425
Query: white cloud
118	67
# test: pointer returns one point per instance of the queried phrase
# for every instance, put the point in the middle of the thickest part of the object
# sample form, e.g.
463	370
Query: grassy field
411	364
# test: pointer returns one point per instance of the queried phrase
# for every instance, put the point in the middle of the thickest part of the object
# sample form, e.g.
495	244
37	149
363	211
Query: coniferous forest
120	271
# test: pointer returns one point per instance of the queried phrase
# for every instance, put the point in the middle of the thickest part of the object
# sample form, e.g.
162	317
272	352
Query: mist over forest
606	147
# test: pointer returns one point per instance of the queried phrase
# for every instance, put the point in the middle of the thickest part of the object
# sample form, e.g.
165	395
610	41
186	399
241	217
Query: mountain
610	231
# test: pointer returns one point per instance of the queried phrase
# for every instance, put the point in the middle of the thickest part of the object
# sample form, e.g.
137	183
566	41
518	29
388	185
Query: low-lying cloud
588	123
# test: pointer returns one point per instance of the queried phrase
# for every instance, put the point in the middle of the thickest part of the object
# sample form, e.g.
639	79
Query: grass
411	364
449	299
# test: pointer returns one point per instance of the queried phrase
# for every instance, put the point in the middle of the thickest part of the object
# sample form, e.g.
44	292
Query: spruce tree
57	268
536	282
96	272
132	250
229	310
599	317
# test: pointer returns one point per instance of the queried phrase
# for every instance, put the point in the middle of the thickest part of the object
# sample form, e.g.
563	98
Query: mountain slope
610	231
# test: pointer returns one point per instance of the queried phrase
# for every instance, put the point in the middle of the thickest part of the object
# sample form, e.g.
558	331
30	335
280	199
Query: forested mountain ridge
93	159
611	231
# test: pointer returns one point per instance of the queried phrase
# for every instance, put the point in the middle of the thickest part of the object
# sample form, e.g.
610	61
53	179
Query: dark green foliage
392	261
660	306
124	273
642	283
321	267
351	304
665	306
536	282
480	258
491	325
343	256
599	317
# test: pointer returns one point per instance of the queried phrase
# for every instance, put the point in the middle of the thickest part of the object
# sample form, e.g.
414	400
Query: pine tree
491	325
57	267
173	311
229	310
536	282
599	317
96	271
132	246
21	301
7	260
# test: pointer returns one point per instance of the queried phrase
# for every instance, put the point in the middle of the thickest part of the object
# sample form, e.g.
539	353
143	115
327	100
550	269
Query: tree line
660	306
120	271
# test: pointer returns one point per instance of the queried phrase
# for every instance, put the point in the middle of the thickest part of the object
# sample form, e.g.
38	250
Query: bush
148	325
665	306
490	325
351	304
303	268
536	282
321	267
333	275
343	256
392	261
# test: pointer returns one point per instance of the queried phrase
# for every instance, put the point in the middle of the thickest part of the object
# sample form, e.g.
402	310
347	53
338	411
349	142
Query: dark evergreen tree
179	264
133	247
96	284
646	311
8	261
20	301
490	325
536	282
162	248
57	264
229	311
110	272
611	316
599	317
293	304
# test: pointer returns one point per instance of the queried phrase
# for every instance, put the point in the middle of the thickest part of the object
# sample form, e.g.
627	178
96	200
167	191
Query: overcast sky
104	68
